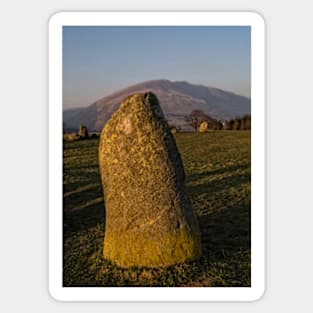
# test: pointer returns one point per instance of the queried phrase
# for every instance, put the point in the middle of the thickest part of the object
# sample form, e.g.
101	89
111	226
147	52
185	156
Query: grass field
217	166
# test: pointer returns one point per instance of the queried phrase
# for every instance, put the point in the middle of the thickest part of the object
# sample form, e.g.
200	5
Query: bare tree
195	118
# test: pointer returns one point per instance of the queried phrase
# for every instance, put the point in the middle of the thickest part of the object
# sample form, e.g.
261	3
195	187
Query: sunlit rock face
203	127
149	216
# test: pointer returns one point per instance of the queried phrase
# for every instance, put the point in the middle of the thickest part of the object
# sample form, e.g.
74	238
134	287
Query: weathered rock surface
149	217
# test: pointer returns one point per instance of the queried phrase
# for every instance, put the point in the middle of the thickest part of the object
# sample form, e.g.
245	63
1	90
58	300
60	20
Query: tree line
197	118
239	123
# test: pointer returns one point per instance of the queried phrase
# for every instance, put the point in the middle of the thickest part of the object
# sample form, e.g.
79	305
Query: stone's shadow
225	230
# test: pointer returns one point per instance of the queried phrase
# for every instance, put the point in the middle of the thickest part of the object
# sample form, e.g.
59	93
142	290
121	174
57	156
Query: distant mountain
177	100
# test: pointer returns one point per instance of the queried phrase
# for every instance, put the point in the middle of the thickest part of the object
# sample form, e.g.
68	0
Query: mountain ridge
177	99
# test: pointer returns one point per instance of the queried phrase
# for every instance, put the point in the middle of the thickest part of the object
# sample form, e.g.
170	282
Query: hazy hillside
177	99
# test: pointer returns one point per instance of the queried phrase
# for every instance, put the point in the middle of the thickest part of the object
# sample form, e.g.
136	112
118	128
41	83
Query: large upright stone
149	217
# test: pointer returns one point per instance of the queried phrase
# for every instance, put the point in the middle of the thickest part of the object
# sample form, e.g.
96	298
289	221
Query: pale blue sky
101	60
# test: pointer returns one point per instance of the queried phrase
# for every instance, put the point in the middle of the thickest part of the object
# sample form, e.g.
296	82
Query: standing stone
149	217
83	132
203	127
